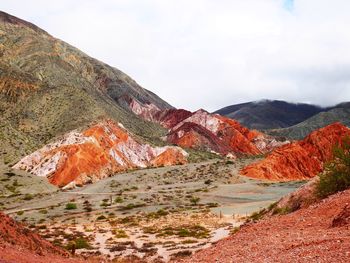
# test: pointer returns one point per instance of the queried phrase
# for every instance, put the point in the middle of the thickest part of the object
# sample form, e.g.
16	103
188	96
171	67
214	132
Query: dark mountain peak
270	114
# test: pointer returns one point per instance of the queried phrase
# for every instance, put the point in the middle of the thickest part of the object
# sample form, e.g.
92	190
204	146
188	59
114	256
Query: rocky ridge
49	88
299	160
95	153
206	131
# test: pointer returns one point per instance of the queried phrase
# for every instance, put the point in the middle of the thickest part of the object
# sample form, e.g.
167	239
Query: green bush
82	243
336	177
71	206
118	200
79	243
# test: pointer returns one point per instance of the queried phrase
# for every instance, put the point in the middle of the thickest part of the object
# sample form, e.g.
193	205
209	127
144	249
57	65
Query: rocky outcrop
299	160
101	150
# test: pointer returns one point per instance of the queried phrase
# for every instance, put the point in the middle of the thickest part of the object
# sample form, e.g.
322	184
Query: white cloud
211	53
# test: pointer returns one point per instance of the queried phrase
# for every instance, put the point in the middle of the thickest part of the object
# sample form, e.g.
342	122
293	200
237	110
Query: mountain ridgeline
48	87
281	118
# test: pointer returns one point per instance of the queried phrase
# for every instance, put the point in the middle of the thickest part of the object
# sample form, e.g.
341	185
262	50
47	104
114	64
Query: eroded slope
301	159
97	152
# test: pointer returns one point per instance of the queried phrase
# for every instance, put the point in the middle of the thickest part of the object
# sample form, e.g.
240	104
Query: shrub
208	182
101	217
71	206
194	200
79	243
336	177
82	243
118	200
120	233
20	213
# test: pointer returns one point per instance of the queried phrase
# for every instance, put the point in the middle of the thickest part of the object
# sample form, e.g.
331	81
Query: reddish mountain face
202	130
299	160
98	152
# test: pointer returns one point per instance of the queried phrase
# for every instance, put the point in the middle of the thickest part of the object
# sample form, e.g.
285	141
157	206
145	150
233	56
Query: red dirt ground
319	233
20	245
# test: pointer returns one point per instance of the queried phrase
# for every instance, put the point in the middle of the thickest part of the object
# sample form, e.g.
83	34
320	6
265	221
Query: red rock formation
97	152
219	134
145	111
299	160
202	130
319	233
170	117
192	135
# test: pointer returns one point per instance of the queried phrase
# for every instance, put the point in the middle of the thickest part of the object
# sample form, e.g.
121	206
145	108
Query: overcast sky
210	53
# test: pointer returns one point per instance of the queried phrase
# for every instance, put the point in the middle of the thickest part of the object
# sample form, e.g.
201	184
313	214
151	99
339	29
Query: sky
210	53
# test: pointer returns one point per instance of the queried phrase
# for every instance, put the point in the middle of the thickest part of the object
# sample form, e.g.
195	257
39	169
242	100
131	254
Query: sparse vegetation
71	206
120	233
19	213
337	173
118	200
79	243
28	197
194	200
101	217
195	231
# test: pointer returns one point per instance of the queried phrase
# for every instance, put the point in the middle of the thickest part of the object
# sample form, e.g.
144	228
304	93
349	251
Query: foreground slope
95	153
301	159
20	245
48	87
319	233
270	114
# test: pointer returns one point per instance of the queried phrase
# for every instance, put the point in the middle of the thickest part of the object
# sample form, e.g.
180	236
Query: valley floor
156	214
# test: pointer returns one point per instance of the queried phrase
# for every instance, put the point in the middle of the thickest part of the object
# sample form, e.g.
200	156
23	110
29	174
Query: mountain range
48	88
281	118
73	120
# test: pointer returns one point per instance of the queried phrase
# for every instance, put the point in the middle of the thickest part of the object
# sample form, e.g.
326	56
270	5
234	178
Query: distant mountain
317	121
270	114
48	88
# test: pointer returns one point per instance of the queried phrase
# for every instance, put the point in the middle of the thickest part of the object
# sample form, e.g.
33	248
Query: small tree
337	172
